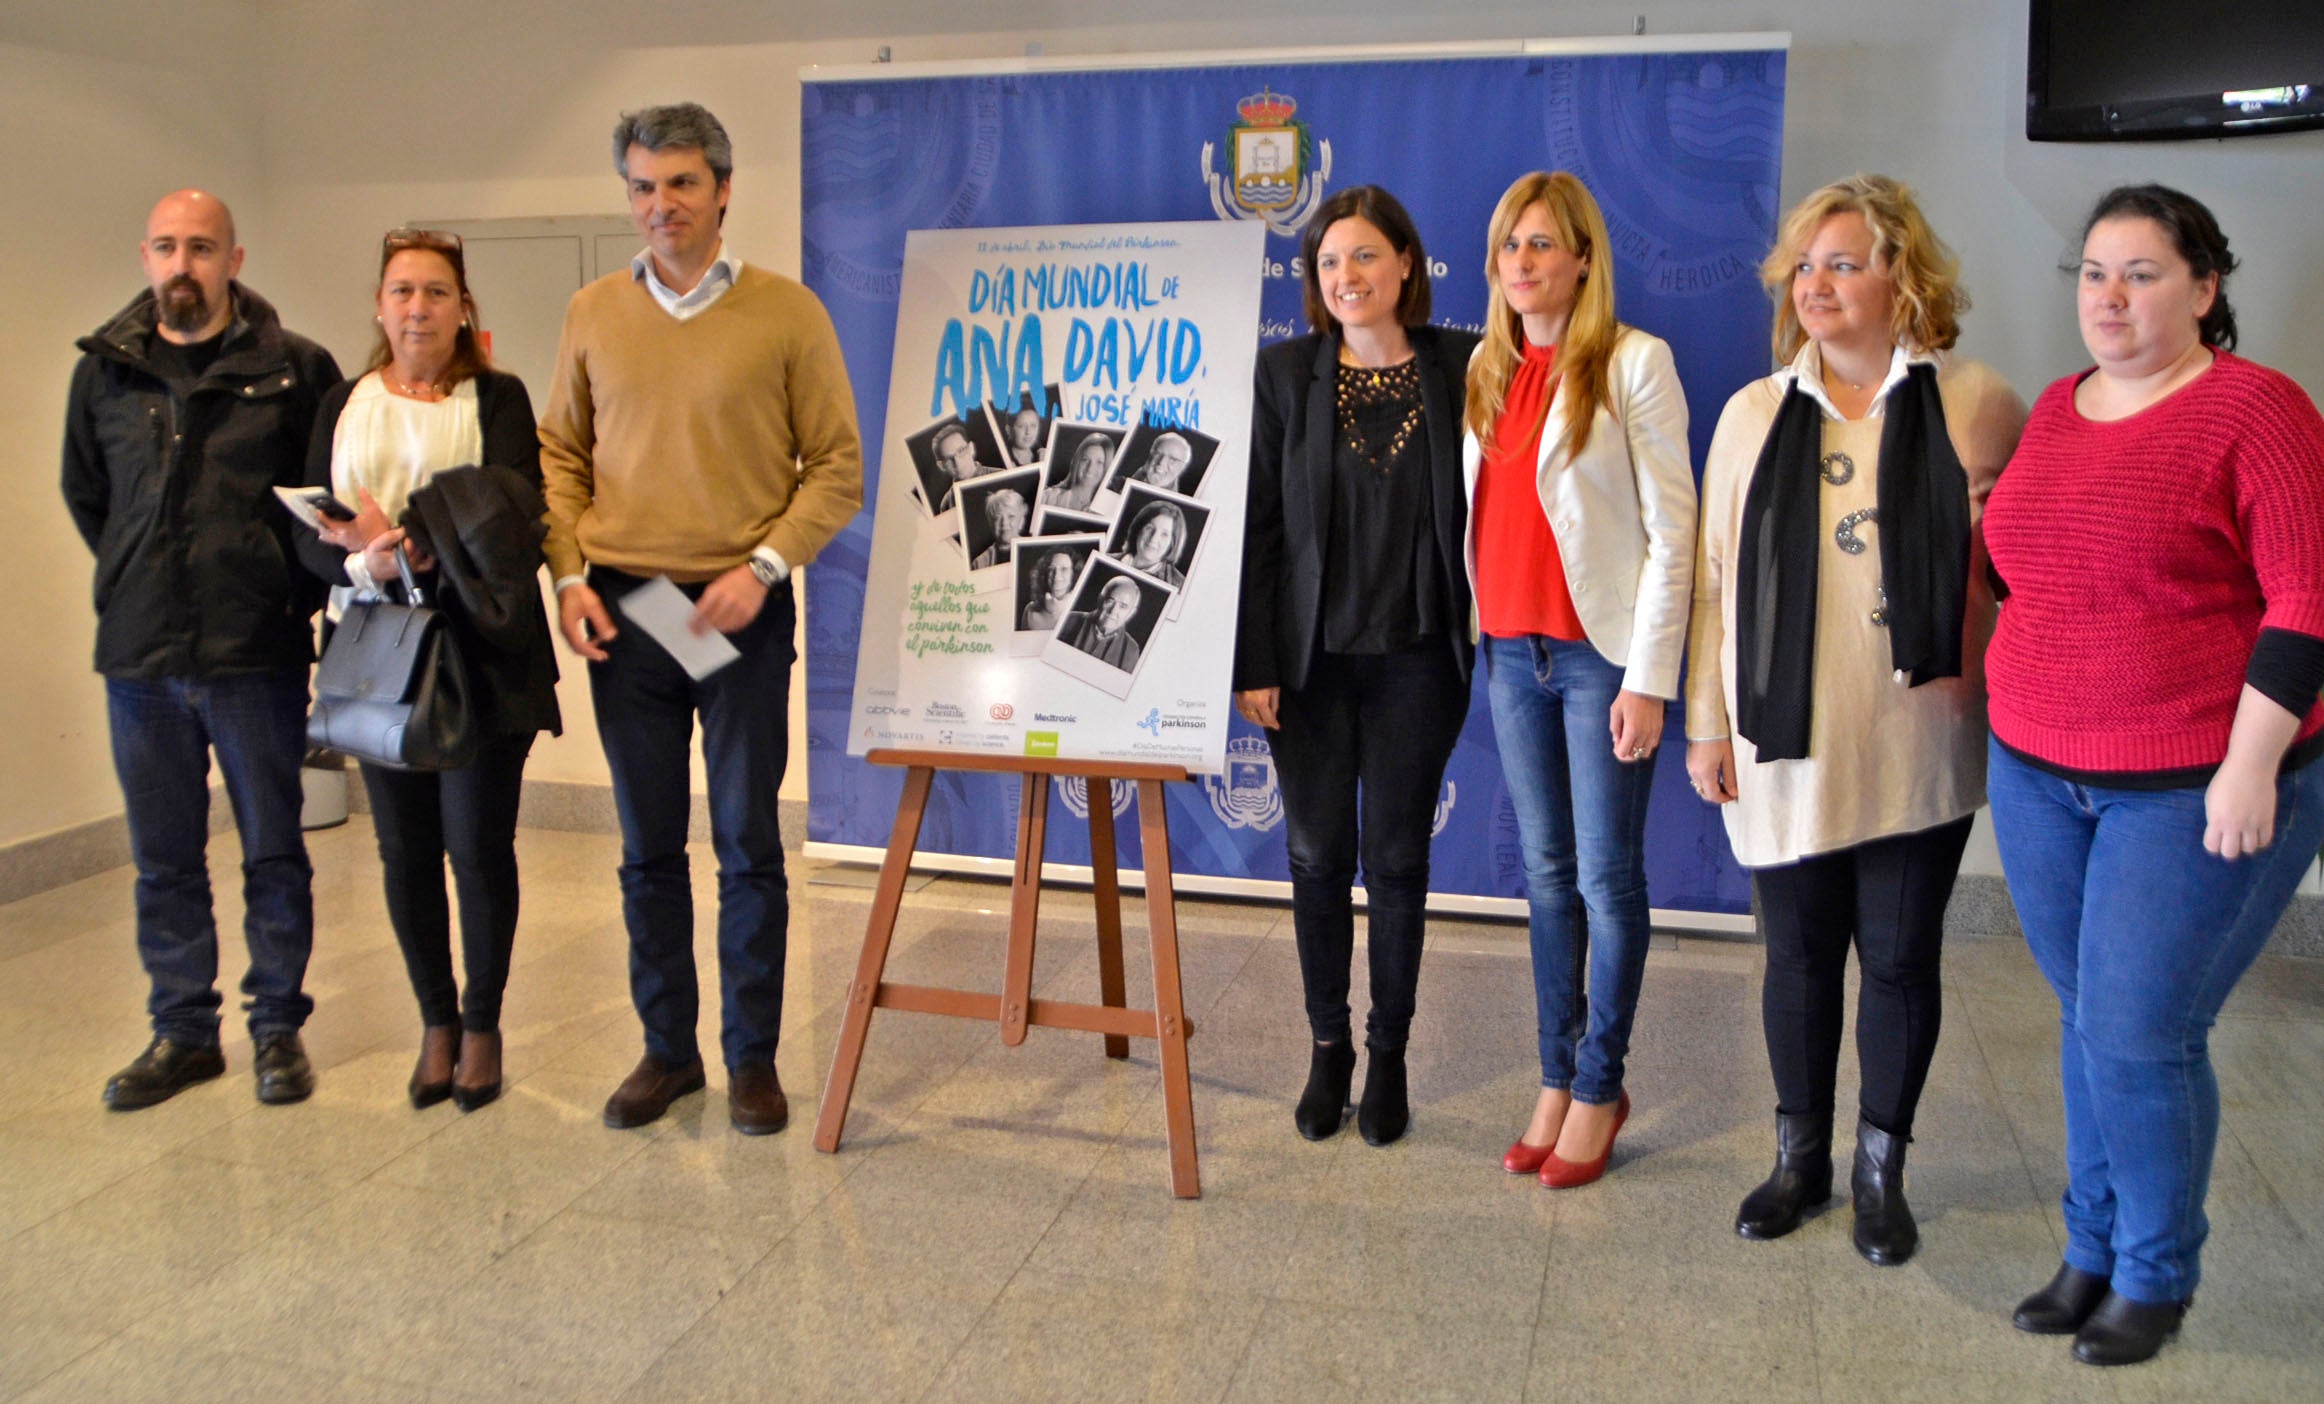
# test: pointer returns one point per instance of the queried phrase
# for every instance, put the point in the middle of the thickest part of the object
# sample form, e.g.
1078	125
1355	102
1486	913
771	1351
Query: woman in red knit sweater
2154	682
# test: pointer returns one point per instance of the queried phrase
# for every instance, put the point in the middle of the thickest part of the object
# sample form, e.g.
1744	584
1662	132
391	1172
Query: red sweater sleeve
2279	504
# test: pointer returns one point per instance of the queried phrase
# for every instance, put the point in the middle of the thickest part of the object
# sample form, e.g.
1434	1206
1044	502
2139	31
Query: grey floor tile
1072	1338
1357	1352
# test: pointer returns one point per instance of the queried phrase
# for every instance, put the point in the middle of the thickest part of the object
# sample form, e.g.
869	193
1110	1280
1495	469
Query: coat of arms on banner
1075	792
1446	798
1278	167
1245	795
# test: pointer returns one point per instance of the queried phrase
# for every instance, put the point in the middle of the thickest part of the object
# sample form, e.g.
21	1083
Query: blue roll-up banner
1679	140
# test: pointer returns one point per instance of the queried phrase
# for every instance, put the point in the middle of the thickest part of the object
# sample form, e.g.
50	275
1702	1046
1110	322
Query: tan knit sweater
678	448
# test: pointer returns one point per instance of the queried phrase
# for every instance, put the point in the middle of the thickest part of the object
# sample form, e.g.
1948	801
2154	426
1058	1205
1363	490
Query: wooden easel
1014	1007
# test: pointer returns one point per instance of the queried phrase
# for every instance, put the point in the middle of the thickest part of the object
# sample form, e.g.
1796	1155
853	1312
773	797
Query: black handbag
391	689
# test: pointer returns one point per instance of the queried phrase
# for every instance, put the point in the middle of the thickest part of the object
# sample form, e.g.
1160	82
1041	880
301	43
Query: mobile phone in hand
329	506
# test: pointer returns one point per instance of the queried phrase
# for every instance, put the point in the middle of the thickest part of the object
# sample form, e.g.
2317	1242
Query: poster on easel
1057	572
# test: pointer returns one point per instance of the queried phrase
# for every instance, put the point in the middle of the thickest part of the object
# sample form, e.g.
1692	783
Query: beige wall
362	116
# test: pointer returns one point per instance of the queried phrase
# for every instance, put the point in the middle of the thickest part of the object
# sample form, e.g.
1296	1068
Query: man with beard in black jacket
186	409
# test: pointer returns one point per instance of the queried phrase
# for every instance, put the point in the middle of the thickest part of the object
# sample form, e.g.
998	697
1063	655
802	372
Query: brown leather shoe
755	1100
648	1091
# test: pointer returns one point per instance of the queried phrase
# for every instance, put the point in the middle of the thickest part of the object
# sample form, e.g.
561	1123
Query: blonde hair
1590	330
1929	299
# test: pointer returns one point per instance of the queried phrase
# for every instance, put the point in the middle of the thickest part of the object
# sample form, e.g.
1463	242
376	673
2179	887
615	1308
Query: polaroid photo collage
1091	530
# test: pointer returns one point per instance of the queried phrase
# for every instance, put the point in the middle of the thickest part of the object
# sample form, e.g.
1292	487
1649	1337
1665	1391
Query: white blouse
389	446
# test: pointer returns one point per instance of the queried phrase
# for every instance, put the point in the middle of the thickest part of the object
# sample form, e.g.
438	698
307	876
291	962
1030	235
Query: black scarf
1923	532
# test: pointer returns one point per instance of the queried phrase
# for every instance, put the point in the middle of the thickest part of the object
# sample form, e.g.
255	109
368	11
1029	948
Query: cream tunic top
1884	758
389	446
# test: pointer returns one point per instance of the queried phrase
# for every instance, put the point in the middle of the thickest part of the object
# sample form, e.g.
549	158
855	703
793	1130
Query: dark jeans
1887	897
646	705
1361	757
164	731
1581	826
2142	935
469	816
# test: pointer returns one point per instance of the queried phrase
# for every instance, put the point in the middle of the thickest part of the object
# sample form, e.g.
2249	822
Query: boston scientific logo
1245	795
1278	167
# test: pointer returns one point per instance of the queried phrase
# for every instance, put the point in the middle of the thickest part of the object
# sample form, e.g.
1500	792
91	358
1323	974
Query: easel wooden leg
1169	998
878	933
1105	886
1024	907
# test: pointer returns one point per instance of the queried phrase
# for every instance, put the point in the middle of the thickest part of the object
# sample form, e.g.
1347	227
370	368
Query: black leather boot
2060	1308
1384	1113
1801	1184
1885	1233
2124	1332
1324	1105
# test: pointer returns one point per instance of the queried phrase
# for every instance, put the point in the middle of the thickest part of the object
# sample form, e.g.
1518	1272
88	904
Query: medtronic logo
1245	795
1270	155
1151	723
1001	711
1075	792
1444	807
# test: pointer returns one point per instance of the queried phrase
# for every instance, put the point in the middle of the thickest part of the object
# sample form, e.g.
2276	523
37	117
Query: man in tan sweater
700	427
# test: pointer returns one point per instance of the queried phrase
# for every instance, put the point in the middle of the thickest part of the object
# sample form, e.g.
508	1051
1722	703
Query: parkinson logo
1444	807
1075	792
1271	155
1245	795
1151	723
1000	711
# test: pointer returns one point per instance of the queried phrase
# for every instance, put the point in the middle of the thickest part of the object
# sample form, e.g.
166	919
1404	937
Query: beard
185	306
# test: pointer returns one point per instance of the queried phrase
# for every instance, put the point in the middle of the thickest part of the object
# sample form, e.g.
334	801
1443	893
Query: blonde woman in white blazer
1581	562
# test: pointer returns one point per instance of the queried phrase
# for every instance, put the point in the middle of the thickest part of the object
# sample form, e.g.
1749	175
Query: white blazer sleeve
1654	419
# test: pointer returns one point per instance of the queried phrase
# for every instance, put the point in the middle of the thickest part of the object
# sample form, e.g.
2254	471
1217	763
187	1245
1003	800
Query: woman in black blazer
431	402
1353	648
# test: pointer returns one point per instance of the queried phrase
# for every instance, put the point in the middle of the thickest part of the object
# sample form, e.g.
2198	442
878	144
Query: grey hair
1120	585
679	124
993	504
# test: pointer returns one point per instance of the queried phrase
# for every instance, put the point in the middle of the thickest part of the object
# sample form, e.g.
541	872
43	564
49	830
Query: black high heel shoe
1385	1111
1323	1107
441	1040
2124	1332
468	1097
2060	1308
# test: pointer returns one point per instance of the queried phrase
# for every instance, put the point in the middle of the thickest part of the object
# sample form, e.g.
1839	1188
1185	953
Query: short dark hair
2193	230
679	124
1386	213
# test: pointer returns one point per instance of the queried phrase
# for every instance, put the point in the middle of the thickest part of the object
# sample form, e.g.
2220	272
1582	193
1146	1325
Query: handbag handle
411	585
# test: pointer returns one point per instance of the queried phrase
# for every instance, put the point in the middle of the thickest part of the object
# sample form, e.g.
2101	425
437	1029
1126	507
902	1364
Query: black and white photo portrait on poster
1047	569
1104	638
1157	534
944	454
1080	457
1171	459
994	512
1056	521
1023	426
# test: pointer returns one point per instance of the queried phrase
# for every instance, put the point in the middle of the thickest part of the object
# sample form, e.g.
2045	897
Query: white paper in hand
663	611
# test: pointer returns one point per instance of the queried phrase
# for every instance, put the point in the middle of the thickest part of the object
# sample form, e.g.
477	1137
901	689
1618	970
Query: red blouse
1521	586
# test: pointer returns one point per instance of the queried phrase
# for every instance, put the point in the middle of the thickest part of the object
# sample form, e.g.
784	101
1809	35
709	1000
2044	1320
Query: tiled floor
998	1224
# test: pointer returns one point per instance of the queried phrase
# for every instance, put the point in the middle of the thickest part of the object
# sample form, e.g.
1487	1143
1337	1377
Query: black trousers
1887	898
469	816
1361	756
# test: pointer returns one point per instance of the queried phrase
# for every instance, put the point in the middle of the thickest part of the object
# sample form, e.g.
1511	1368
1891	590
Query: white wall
375	115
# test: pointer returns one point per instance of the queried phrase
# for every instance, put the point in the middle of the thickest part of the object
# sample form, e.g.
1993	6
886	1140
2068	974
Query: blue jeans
1581	823
646	706
164	730
2142	935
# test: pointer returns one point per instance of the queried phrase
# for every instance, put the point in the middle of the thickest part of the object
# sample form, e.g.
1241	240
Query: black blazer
1293	426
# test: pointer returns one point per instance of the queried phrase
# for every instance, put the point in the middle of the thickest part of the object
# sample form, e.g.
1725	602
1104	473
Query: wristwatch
768	575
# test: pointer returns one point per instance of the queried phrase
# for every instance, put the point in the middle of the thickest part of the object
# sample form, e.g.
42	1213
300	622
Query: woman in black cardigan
430	402
1353	645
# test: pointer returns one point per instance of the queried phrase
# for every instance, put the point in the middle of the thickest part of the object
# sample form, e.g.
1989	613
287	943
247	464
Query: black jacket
1293	426
484	526
194	570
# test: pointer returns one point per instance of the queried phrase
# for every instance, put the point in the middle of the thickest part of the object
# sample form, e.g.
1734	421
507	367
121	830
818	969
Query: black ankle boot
1384	1113
2124	1332
1885	1234
1324	1105
2060	1308
1801	1184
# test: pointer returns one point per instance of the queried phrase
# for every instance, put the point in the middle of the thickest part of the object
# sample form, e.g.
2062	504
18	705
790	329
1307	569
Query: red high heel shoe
1565	1174
1522	1159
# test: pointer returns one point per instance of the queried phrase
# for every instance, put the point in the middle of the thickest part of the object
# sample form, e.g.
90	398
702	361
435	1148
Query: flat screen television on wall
2146	70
